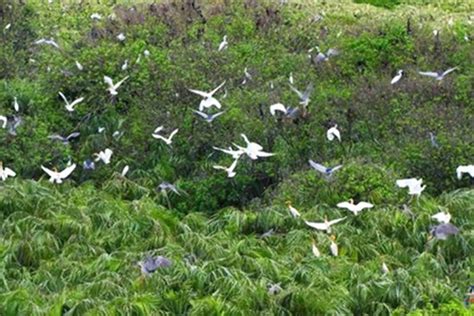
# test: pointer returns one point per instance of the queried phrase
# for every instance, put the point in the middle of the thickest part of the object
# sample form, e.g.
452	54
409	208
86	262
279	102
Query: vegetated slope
75	247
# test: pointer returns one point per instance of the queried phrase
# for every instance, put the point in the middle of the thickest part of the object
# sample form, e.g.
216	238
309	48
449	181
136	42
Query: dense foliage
73	248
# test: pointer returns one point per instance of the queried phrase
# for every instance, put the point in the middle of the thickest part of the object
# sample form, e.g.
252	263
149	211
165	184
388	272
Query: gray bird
166	186
208	117
64	140
13	124
433	140
442	231
88	164
320	57
304	96
324	170
150	264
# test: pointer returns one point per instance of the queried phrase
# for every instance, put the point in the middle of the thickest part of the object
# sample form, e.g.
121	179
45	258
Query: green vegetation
72	249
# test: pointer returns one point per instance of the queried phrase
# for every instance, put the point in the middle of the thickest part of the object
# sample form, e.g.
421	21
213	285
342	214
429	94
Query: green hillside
74	248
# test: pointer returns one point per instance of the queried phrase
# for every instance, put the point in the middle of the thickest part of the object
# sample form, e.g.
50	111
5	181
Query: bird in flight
230	170
437	75
208	98
253	150
168	140
64	140
70	106
355	208
304	96
234	153
414	185
208	117
58	177
104	155
333	132
47	42
6	172
324	170
113	87
326	225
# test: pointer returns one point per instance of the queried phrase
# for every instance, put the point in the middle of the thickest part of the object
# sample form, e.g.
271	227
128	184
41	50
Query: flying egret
104	155
208	98
333	132
208	117
442	217
6	172
437	75
326	225
253	150
121	37
278	107
150	264
16	106
88	165
59	176
320	57
4	121
223	44
414	185
230	170
47	42
397	77
166	186
469	169
293	211
70	106
234	153
79	66
333	247
324	170
355	208
247	76
315	250
443	231
304	96
64	140
167	140
113	87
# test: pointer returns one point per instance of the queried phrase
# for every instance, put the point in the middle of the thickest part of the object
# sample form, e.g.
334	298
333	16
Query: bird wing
336	168
299	93
217	167
217	114
317	166
362	205
233	165
64	97
344	205
76	102
335	221
319	226
66	172
108	153
73	135
201	114
4	120
448	71
118	84
429	74
57	137
260	153
125	170
158	129
277	107
9	172
403	183
216	89
51	173
173	133
108	81
320	57
199	92
308	91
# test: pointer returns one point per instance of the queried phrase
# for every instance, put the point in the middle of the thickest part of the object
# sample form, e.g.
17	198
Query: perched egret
326	225
315	250
6	172
64	140
4	121
414	185
208	98
168	140
253	150
125	65
59	176
230	170
70	106
324	170
320	57
113	87
397	77
79	66
223	45
100	130
333	132
47	42
208	117
16	106
442	217
443	231
333	247
437	75
247	76
150	264
293	211
355	208
125	171
104	155
121	37
304	96
469	169
234	153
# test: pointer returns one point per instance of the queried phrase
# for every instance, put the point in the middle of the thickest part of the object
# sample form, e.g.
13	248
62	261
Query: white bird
293	211
333	132
278	107
414	185
8	26
124	171
333	247
121	37
442	217
96	16
4	121
230	170
253	150
100	130
304	96
437	75
325	57
16	106
47	42
234	153
355	208
79	66
326	225
315	250
208	117
384	268
6	172
208	98
125	65
168	140
397	77
113	87
59	176
247	76
146	53
70	106
104	155
465	169
324	170
223	44
290	79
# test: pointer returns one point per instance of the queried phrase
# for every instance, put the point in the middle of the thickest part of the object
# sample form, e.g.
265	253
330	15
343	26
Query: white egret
274	289
469	169
208	117
304	96
113	87
16	106
100	130
315	250
7	27
442	217
4	121
47	42
223	45
247	76
278	107
125	65
58	177
290	79
326	225
414	185
230	170
79	66
333	247
293	211
167	140
253	150
333	132
70	106
125	171
121	37
104	155
437	75
384	268
324	170
397	77
208	98
355	208
166	186
6	172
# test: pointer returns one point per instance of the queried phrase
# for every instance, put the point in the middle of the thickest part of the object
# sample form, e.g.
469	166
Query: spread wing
217	114
429	74
199	92
108	81
216	89
344	205
173	133
51	173
317	166
335	221
64	98
365	205
73	135
66	172
9	172
277	107
201	114
403	183
319	226
449	70
299	93
118	84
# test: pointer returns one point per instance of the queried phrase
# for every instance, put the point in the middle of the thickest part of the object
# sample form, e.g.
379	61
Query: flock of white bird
251	149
